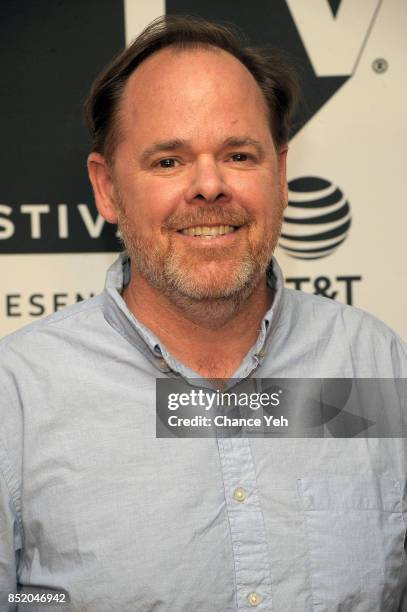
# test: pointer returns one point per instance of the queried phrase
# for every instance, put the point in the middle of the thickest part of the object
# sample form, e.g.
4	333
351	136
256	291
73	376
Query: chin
215	282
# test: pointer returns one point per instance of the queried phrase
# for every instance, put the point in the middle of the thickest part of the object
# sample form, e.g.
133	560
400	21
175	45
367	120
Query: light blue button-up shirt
93	503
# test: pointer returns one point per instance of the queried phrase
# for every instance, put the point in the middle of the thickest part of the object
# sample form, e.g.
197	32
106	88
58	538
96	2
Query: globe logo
317	218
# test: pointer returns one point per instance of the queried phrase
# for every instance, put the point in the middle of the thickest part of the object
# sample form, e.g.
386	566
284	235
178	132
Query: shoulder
65	321
33	356
318	308
339	329
52	346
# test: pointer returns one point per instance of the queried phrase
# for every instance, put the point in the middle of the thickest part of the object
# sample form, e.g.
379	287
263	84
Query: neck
211	336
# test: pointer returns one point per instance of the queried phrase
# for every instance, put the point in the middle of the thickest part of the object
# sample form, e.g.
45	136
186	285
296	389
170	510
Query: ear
282	172
103	188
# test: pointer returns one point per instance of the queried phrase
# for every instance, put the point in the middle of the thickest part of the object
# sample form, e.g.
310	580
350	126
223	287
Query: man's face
199	186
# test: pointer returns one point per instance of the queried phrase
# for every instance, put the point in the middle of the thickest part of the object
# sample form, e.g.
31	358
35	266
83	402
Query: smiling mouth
208	232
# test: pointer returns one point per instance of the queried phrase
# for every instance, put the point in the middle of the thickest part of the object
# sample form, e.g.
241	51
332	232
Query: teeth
208	232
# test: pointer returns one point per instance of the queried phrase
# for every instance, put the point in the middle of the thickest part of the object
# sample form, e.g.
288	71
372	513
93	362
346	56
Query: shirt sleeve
402	604
10	543
11	529
398	351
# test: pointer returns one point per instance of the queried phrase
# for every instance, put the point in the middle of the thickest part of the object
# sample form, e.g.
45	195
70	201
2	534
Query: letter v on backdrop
333	41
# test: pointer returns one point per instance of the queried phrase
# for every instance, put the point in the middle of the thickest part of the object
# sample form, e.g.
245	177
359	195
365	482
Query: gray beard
210	307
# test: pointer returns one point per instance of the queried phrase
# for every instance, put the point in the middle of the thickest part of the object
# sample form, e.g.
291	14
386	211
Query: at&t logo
317	219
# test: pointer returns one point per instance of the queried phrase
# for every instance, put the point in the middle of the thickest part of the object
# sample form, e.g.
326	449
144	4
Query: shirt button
239	494
254	599
163	364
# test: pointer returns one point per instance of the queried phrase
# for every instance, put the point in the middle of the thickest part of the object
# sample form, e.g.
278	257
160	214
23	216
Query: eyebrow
179	143
234	141
164	145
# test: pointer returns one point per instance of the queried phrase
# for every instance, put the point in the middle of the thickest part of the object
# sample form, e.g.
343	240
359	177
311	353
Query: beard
211	278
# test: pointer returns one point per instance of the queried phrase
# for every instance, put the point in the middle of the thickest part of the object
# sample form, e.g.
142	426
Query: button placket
247	530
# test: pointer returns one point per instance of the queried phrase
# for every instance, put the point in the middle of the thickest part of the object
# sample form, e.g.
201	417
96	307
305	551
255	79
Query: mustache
209	214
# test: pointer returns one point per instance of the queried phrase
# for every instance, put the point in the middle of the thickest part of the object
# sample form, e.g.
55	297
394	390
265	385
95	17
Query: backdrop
344	228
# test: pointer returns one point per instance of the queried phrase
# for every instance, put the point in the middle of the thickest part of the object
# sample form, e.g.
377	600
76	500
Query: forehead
192	85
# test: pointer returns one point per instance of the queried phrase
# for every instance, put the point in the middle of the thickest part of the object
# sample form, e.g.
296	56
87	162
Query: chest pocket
355	534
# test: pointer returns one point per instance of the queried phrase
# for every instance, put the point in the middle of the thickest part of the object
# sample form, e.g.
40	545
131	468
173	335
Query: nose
207	183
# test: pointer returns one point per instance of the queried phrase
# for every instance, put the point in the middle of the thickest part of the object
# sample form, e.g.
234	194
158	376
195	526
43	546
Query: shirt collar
123	320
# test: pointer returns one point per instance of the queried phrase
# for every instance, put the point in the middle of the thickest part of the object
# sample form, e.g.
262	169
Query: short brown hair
274	75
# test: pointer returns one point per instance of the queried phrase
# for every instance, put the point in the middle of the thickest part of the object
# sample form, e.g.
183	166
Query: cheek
261	198
151	202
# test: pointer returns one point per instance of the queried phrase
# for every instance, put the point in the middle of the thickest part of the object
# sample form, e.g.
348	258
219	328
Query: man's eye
168	162
240	157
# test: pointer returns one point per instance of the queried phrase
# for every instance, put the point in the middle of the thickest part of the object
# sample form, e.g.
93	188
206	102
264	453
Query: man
189	157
